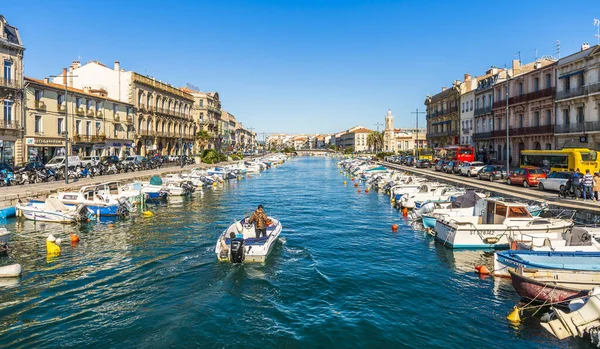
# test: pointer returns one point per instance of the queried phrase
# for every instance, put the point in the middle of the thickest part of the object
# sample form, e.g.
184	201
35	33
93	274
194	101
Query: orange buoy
111	225
74	238
352	179
367	190
405	211
249	176
394	227
356	184
482	269
359	190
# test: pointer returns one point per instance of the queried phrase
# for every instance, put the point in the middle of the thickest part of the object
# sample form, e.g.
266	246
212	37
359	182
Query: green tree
375	140
202	138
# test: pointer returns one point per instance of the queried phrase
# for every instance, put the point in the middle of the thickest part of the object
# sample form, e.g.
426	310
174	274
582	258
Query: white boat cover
53	205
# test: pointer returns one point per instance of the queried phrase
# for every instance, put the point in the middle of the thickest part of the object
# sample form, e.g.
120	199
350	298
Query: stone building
389	141
162	120
95	124
443	117
207	110
11	94
578	99
530	107
483	113
355	138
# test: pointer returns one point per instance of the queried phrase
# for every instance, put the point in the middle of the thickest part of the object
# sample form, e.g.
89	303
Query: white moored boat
238	243
52	210
499	223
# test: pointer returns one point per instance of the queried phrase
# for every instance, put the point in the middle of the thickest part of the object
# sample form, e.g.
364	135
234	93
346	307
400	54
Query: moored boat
52	210
238	243
556	285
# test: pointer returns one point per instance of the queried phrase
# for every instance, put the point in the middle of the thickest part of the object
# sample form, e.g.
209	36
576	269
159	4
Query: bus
425	154
566	159
460	153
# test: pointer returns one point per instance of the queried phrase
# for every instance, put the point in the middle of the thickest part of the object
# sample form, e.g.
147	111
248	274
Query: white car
555	181
90	160
471	168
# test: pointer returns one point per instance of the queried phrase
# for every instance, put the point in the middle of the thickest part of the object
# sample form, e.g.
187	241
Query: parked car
108	160
30	166
59	162
133	159
410	161
470	169
440	165
555	181
528	177
90	160
492	172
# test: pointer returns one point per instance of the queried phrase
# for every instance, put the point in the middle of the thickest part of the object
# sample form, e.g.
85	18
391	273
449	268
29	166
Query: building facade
208	116
530	107
11	94
484	114
578	99
407	139
443	117
161	122
467	99
355	138
94	123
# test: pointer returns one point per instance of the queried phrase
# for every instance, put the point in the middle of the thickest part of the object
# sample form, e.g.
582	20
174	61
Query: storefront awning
117	143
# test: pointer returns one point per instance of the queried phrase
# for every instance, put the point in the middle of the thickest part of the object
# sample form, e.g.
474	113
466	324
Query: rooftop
71	89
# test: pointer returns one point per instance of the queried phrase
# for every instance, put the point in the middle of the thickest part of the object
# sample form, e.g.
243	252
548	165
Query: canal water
339	278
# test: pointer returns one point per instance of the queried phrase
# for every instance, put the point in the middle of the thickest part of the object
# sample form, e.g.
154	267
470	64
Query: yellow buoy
214	184
52	248
514	315
147	214
344	182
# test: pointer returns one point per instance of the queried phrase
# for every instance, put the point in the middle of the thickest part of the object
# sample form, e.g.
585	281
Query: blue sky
301	66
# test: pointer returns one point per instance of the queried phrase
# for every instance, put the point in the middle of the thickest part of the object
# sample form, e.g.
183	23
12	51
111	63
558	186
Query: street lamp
507	131
66	124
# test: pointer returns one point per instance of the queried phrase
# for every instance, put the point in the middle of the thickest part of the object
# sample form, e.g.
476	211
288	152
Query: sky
302	66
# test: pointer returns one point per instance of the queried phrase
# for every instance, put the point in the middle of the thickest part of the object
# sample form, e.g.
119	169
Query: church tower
389	139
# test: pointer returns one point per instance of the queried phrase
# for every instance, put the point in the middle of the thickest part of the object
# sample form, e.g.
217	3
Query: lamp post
417	112
507	131
66	132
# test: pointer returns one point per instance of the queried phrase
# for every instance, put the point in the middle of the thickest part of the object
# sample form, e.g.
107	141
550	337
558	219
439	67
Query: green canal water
338	278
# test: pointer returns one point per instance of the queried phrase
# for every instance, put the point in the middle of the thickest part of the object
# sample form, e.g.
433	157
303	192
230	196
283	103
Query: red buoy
394	227
482	269
367	190
359	190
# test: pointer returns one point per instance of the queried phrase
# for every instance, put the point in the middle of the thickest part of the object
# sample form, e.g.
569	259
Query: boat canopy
155	180
53	205
469	199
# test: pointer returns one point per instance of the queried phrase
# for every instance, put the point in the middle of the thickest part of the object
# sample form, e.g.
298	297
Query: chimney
64	74
467	77
76	64
46	80
516	66
117	66
443	88
71	76
585	46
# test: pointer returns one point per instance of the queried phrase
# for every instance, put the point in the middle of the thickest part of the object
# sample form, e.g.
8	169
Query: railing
79	111
483	110
90	112
11	83
593	88
574	92
129	119
60	107
466	131
9	125
482	135
116	117
442	134
39	105
588	126
99	113
547	92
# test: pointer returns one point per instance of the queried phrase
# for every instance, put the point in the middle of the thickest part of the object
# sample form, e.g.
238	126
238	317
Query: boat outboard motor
237	250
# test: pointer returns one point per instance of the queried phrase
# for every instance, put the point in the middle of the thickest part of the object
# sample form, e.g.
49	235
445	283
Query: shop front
119	147
7	151
44	149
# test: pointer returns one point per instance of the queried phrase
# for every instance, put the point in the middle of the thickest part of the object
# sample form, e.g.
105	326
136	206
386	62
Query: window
548	117
490	100
463	108
536	85
499	95
60	126
60	99
471	105
116	134
37	126
98	105
148	100
8	112
114	108
520	88
201	103
38	95
548	81
7	70
140	94
566	116
128	110
483	102
98	125
77	126
567	83
520	120
581	79
536	118
78	102
88	128
471	122
88	103
580	116
477	104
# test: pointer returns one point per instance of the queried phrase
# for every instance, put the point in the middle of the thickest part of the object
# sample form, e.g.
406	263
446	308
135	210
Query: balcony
574	92
591	89
39	105
482	111
482	136
60	107
547	92
80	111
447	133
9	125
129	119
98	139
10	83
466	131
116	117
99	114
90	112
582	127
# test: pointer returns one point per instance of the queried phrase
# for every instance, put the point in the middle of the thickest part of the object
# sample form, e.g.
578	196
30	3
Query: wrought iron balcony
582	127
9	125
10	83
39	105
484	110
574	92
547	92
482	135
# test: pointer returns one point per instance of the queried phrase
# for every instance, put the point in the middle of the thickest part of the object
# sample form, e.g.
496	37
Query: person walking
596	186
588	183
259	218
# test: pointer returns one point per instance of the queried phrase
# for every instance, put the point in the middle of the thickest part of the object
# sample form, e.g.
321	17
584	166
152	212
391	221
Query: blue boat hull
428	222
8	212
586	261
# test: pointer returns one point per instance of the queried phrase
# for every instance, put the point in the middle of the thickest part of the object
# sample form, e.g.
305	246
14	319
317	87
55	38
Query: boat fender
491	240
405	212
482	269
52	248
74	238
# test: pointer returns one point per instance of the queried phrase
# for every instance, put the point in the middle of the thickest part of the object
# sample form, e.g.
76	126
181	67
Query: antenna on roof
557	48
597	24
518	54
536	54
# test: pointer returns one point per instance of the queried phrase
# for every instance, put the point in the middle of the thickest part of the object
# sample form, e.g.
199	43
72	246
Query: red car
528	177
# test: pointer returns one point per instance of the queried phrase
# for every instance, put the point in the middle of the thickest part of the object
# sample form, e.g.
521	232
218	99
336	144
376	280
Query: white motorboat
441	193
52	210
500	221
238	243
97	203
10	271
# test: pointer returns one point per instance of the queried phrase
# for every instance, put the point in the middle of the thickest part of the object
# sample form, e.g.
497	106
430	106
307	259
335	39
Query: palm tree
202	137
375	140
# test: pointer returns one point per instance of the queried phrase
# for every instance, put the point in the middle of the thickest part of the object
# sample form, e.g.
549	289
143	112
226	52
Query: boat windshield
518	212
